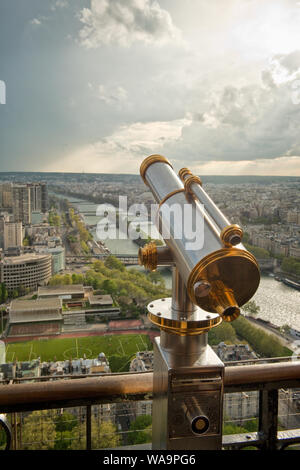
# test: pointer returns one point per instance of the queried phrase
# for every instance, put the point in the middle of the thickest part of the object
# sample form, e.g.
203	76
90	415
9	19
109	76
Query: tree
15	293
259	253
291	265
26	241
224	332
109	286
141	428
67	279
251	307
38	432
64	426
4	293
155	277
84	247
285	329
264	344
65	422
63	440
104	435
112	262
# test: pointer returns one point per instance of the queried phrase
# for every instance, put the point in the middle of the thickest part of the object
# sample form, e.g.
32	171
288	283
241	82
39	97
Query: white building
13	234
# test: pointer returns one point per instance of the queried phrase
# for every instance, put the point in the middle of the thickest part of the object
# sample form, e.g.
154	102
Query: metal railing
267	379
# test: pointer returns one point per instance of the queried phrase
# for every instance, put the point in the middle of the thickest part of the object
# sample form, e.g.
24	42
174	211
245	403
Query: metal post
15	431
268	418
89	427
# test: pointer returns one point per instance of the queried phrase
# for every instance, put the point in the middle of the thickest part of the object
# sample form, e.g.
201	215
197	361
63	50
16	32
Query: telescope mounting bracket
162	314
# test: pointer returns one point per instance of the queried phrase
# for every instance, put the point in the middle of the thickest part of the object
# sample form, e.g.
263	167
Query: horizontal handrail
258	375
111	387
51	394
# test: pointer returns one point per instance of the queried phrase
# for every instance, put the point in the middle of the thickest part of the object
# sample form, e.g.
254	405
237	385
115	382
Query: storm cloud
97	85
124	22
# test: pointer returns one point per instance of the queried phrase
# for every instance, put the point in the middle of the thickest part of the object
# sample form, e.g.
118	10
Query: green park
119	349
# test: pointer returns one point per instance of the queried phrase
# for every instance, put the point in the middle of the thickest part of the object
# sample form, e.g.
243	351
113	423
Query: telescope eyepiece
200	424
198	421
230	313
224	300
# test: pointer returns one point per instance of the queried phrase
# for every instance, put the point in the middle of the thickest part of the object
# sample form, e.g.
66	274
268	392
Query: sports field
119	349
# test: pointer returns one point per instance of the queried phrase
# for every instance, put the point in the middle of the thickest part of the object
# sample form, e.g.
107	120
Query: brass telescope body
218	277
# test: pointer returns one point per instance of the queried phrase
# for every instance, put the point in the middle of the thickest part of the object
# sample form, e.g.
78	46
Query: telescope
213	275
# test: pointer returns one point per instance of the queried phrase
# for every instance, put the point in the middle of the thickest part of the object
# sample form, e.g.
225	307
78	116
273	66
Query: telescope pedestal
188	375
188	394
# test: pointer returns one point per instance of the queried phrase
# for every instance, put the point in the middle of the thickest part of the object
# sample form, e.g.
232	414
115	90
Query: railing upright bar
268	418
15	431
88	427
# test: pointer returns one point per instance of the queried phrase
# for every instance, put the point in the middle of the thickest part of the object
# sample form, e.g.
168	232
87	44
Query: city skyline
94	86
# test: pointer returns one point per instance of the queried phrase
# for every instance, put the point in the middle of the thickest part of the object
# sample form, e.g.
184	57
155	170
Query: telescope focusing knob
148	256
231	235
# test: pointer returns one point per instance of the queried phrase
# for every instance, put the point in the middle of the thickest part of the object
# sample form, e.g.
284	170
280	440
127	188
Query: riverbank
278	302
285	339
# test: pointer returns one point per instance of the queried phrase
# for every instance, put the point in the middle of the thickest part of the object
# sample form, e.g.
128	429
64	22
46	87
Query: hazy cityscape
49	256
123	124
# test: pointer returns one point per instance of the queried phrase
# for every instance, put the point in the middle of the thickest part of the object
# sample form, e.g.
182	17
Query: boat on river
290	283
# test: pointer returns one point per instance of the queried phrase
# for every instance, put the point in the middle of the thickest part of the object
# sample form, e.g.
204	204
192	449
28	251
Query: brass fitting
149	161
226	296
224	301
231	235
183	173
151	256
190	180
148	256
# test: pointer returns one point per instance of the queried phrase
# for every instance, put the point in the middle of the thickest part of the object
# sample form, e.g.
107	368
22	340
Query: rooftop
25	258
34	316
100	299
61	290
37	304
27	311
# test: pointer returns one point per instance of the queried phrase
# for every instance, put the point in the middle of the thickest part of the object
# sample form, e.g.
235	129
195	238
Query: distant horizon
137	174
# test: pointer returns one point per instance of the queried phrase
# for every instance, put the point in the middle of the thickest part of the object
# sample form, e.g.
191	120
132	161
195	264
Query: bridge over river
267	264
132	259
125	258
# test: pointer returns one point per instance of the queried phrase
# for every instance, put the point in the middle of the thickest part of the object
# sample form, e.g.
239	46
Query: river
278	303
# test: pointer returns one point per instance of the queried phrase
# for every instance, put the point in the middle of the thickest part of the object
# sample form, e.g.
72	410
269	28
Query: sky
98	85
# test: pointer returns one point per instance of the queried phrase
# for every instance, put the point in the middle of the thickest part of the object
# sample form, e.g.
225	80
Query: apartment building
21	203
27	270
12	235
